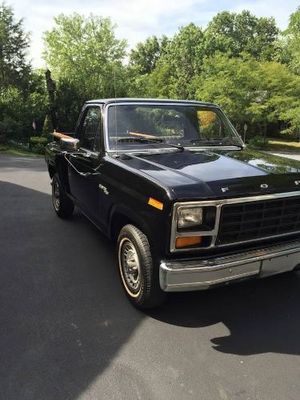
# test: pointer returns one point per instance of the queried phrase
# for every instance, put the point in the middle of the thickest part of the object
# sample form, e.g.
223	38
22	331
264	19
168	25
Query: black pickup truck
189	206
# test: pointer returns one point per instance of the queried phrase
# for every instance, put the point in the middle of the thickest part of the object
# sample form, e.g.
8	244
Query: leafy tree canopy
235	33
252	92
85	59
291	41
14	68
146	54
86	53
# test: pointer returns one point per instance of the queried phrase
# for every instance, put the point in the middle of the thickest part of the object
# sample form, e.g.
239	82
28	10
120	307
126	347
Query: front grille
258	219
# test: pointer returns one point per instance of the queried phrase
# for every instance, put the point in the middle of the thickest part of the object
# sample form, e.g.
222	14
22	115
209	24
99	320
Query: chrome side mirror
69	144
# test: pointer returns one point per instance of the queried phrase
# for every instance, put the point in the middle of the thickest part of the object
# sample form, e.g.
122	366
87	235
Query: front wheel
139	276
62	204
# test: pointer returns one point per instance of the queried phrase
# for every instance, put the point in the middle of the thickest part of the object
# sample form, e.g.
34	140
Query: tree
22	91
85	59
230	82
237	33
184	58
146	54
252	92
179	62
291	42
19	108
14	68
85	51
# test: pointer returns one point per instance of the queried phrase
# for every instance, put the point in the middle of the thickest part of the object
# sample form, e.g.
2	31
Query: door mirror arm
85	174
69	144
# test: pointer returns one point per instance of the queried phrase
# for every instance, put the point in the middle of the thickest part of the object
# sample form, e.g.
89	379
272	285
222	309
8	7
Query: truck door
85	188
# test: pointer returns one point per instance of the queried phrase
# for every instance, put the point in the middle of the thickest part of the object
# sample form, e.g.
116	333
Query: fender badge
264	186
297	183
225	189
104	189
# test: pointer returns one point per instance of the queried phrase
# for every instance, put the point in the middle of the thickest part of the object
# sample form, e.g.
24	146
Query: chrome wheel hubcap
56	195
130	266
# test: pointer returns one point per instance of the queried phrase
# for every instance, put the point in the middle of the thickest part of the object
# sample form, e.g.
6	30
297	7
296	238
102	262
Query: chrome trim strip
171	150
214	232
201	274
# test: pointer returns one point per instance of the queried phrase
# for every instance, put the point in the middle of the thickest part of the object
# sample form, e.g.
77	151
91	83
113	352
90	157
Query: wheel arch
61	168
121	216
51	170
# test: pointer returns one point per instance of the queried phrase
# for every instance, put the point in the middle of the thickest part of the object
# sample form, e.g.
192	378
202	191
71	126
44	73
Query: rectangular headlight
189	217
194	225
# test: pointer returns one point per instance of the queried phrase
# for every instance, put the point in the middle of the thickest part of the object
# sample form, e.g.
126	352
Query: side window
90	130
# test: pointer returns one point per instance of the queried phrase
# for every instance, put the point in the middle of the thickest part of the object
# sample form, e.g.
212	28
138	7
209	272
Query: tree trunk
51	88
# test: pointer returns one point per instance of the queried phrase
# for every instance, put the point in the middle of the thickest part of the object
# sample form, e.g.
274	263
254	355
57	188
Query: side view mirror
69	144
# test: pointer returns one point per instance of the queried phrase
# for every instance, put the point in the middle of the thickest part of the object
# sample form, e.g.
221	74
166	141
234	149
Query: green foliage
257	142
145	56
38	140
14	68
171	74
237	33
85	59
37	144
22	91
292	117
252	92
11	111
291	42
18	110
184	56
239	62
182	61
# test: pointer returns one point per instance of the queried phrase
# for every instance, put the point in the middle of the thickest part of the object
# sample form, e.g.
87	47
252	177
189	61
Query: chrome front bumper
186	275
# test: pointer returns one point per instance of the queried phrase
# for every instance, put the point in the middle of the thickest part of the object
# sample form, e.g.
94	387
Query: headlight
189	217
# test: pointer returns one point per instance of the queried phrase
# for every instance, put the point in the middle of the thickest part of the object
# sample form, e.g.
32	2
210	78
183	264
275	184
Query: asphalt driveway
286	154
68	332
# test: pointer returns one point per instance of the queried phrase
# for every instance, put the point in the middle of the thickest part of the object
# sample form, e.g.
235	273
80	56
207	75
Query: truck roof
142	100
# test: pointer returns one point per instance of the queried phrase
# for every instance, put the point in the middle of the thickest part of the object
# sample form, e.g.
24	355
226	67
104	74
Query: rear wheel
62	204
139	276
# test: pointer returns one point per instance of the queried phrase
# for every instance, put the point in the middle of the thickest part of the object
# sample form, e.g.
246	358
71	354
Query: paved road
292	156
68	332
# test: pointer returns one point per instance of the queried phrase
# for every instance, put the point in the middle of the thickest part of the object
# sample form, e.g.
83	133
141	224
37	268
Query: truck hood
194	175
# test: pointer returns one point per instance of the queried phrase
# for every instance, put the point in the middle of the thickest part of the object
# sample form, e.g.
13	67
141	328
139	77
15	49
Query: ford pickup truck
188	204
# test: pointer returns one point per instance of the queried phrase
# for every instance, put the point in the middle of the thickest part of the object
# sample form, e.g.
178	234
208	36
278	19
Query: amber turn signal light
188	241
155	203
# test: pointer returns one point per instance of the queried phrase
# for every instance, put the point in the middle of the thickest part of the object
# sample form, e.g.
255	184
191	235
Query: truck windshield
132	126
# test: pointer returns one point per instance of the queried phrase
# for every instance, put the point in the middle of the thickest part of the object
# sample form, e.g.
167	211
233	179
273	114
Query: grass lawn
4	149
278	145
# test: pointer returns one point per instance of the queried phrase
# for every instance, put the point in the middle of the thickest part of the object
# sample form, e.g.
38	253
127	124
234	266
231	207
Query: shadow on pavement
64	317
63	314
261	315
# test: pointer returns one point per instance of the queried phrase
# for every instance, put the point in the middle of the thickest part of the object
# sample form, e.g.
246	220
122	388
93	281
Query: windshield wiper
140	140
148	139
152	137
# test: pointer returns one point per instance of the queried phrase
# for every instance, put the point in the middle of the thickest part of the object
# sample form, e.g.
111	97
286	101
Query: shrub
257	142
35	140
38	148
37	144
